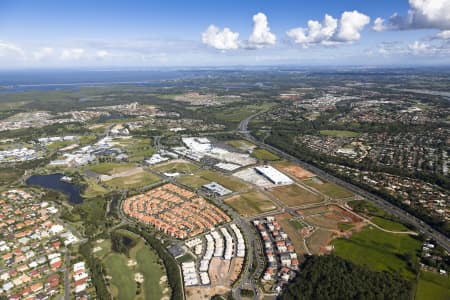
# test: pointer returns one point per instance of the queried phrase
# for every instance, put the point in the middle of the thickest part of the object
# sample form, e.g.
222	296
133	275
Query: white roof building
274	175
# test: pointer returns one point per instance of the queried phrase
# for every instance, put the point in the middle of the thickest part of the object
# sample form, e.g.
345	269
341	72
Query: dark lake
53	181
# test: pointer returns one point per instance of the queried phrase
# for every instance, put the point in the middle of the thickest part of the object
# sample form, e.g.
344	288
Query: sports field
294	195
380	250
330	189
250	204
433	286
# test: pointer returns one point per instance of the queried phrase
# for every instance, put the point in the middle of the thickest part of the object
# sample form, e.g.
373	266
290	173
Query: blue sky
41	34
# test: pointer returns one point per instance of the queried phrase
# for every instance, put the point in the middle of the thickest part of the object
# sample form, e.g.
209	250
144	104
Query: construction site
219	257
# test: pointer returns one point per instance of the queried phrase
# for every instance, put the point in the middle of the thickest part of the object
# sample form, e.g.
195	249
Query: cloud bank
331	31
422	14
225	39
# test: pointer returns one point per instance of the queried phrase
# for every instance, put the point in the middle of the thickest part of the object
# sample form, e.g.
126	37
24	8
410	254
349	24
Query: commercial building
216	188
274	175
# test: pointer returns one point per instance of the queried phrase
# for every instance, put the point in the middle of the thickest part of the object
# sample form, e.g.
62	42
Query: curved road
424	228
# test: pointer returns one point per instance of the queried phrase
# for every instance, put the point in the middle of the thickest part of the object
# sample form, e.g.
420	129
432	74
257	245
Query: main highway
424	228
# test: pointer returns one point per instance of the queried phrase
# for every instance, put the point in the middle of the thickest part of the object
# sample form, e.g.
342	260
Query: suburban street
387	206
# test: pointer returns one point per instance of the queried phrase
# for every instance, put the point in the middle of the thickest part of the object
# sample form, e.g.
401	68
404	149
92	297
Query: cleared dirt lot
224	272
326	220
295	195
328	217
293	170
319	240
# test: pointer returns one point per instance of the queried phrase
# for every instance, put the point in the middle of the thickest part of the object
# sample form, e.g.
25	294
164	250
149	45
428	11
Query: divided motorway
384	204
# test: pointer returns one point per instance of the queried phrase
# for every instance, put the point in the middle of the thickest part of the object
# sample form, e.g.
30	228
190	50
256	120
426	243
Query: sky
175	33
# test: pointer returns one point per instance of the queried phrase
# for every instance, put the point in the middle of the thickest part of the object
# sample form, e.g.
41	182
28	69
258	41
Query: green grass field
193	181
388	224
138	180
433	286
206	176
240	112
343	226
339	133
59	144
296	224
123	285
376	215
330	189
87	139
184	167
148	264
109	168
93	189
294	195
366	207
240	144
250	204
380	250
137	149
263	154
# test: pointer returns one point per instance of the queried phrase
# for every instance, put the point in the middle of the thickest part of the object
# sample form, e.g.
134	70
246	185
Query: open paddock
295	195
176	166
330	189
251	203
137	180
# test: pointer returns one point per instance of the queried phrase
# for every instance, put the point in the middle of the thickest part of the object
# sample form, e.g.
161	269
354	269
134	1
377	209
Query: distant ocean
18	81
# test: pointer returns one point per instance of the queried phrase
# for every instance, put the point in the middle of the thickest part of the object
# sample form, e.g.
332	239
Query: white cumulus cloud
351	24
315	33
261	35
445	35
422	14
379	24
223	39
331	31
